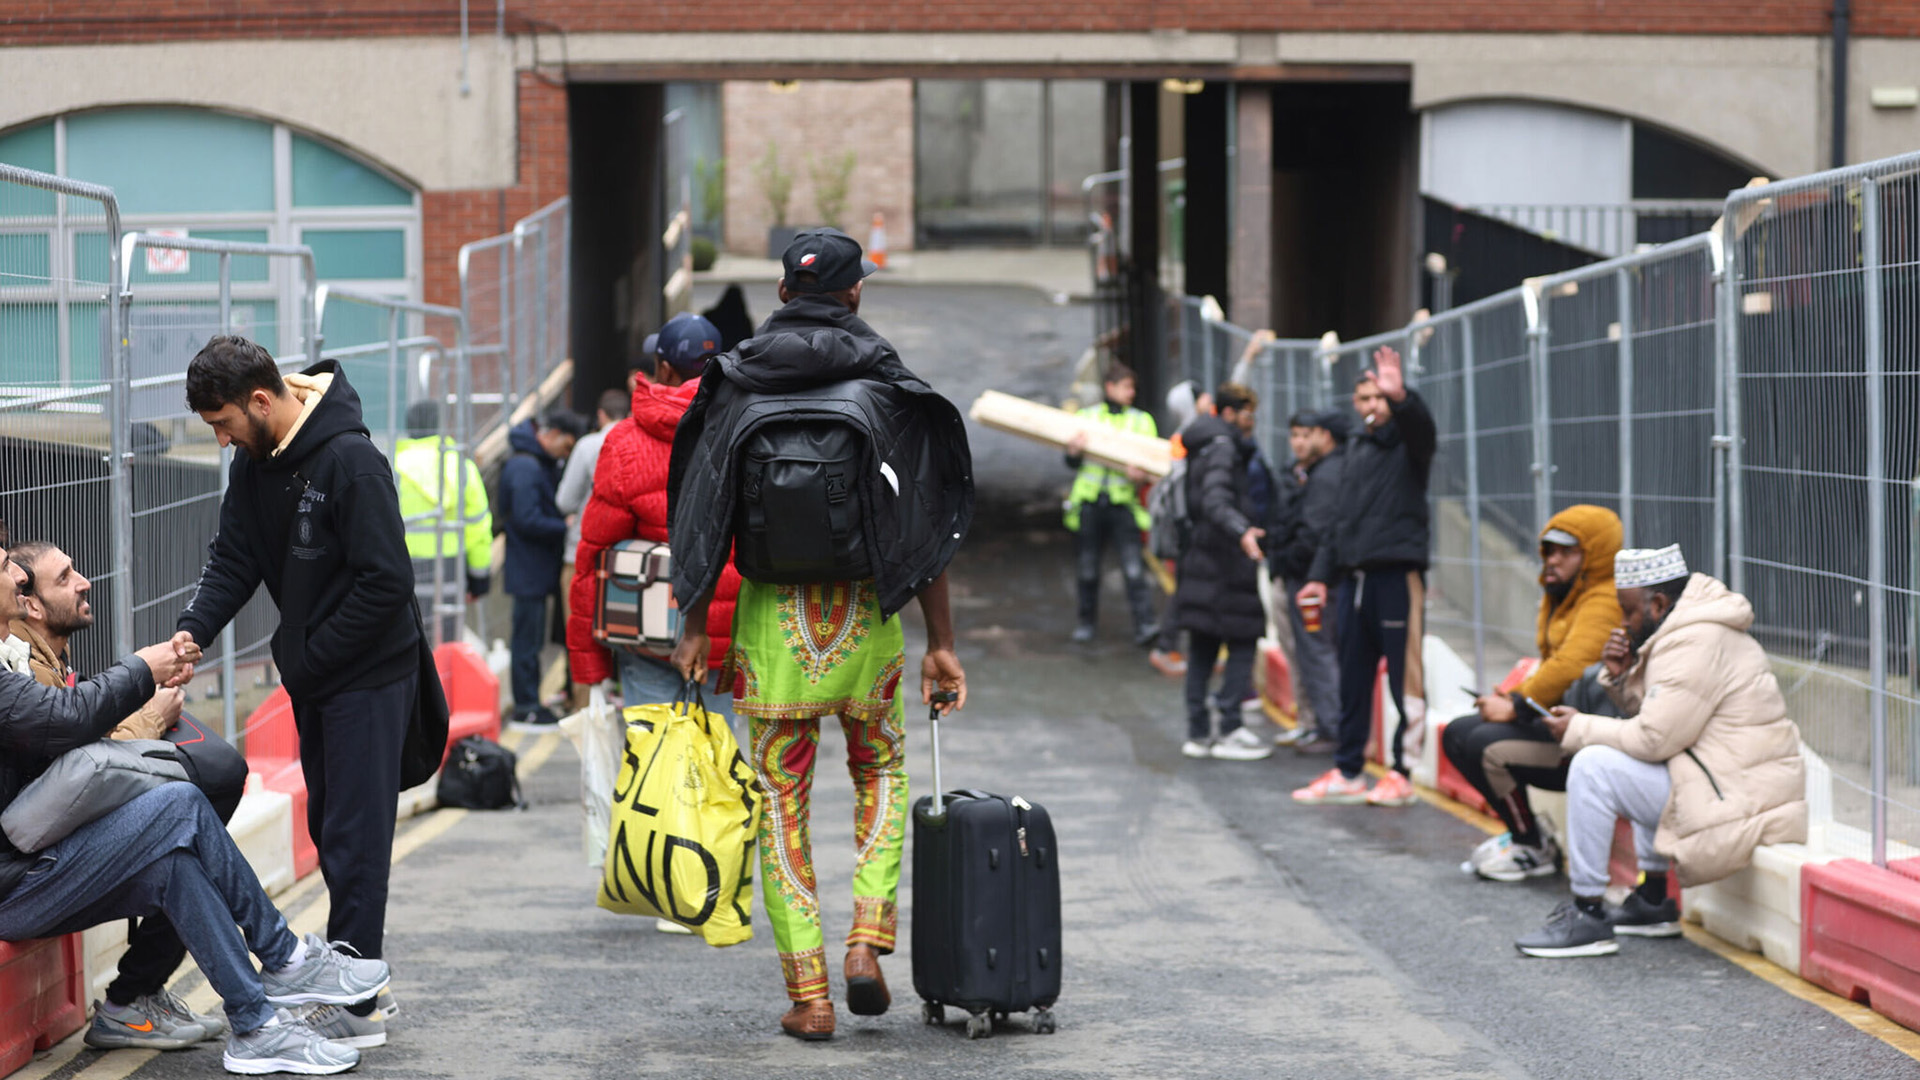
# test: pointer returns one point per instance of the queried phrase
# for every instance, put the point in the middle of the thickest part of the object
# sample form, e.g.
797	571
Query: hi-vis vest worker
1095	479
419	488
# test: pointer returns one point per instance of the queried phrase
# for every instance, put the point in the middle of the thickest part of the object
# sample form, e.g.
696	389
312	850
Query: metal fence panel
178	469
1825	406
423	358
63	459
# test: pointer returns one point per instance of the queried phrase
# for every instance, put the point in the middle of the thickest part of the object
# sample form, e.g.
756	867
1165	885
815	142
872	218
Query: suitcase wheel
1043	1022
932	1012
979	1026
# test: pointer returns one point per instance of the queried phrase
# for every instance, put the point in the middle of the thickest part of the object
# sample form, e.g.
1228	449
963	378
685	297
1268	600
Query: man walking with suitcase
823	641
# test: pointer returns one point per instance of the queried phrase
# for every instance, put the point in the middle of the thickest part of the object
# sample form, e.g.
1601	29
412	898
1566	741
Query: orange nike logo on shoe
143	1027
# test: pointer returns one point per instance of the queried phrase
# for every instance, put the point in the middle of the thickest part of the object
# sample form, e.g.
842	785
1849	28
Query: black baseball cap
834	259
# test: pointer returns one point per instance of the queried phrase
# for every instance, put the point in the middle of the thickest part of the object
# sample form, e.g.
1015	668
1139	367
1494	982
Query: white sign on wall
167	260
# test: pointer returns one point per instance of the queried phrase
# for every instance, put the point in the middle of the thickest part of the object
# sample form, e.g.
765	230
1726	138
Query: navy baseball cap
834	259
686	342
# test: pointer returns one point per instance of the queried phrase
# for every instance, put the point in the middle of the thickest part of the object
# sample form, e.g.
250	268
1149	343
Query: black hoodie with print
319	524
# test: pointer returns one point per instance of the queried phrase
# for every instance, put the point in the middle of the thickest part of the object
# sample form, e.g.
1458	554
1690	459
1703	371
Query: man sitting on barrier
163	853
1501	748
55	603
1706	766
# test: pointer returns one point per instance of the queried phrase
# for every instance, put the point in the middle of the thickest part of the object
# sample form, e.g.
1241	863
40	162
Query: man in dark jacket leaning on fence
311	511
1374	562
162	853
1218	599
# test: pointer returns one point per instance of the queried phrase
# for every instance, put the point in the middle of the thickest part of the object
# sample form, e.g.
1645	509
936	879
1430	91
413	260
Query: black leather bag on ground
800	519
480	775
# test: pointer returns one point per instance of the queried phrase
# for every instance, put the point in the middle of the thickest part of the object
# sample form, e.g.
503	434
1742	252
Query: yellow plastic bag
685	808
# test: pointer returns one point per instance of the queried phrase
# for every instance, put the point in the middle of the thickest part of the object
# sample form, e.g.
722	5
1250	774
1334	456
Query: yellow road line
1907	1042
543	749
1861	1017
1488	824
63	1051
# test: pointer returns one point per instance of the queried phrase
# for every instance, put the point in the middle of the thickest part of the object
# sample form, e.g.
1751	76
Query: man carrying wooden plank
1104	508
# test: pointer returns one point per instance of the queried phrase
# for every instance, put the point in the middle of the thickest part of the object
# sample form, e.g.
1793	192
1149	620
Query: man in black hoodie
1375	556
311	511
803	651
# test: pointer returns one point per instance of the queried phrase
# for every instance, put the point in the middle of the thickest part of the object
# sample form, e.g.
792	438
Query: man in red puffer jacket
629	501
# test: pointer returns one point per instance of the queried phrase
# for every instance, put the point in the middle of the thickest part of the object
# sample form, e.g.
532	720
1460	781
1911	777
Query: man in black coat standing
1218	599
311	511
1375	556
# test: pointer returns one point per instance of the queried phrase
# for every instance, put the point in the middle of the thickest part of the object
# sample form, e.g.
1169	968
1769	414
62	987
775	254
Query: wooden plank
1056	427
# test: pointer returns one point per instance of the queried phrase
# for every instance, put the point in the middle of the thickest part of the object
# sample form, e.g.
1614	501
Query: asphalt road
1213	929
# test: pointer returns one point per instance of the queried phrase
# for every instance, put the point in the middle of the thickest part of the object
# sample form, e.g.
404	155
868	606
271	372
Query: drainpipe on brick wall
1842	30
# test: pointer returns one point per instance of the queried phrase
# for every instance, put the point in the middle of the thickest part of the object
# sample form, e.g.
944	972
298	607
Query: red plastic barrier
273	751
1860	934
1279	682
473	692
273	743
1377	742
43	996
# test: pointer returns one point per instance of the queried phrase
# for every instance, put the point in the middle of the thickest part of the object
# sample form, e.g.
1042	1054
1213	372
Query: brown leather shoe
866	987
809	1020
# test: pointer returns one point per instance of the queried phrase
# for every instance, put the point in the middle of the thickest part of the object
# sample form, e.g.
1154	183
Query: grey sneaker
1241	745
1570	932
1635	917
335	1024
170	1002
140	1026
330	976
383	1001
286	1044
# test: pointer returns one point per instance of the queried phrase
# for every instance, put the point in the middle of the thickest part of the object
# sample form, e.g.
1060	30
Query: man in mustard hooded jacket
1502	748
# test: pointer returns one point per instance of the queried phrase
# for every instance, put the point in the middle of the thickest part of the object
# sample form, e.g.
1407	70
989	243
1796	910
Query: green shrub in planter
703	253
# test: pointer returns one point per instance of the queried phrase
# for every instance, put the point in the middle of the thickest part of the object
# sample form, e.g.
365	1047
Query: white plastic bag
599	734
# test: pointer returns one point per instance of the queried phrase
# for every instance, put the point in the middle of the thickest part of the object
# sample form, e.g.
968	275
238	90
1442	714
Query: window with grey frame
999	161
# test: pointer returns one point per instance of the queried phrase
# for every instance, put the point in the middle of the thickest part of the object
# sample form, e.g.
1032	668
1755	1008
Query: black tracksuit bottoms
1381	615
350	748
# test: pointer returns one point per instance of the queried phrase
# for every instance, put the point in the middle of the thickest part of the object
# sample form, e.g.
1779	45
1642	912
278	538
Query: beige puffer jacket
1703	699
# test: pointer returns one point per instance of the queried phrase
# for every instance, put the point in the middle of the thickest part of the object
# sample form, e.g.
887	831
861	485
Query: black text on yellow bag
636	608
685	809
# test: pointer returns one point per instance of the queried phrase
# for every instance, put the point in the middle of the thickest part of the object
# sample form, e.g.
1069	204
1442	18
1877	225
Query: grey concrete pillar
1251	265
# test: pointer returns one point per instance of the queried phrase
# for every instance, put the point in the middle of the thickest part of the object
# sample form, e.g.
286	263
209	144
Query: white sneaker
668	926
1242	745
1196	748
1489	848
1518	862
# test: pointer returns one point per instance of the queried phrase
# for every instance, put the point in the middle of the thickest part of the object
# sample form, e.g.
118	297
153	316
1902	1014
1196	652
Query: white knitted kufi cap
1637	568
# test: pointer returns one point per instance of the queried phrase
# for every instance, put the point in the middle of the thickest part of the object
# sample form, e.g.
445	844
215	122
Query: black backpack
800	517
479	775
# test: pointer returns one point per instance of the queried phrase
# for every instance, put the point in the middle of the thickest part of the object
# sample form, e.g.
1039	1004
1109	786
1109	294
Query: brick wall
86	21
452	218
825	119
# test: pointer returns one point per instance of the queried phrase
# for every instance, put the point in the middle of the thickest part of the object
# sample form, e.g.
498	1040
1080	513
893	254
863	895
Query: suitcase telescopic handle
940	697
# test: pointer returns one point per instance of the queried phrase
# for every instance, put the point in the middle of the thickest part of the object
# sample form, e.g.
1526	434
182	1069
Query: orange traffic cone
877	240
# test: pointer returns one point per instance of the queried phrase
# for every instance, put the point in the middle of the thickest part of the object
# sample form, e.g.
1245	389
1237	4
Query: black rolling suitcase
986	905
